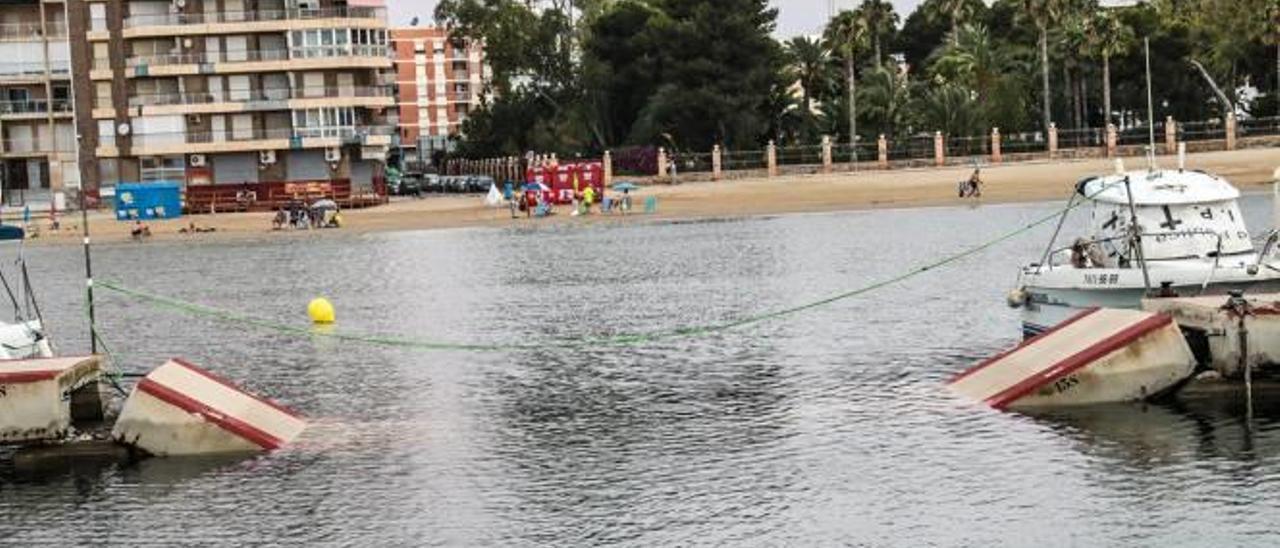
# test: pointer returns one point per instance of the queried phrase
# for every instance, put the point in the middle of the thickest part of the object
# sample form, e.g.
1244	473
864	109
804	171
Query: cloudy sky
794	16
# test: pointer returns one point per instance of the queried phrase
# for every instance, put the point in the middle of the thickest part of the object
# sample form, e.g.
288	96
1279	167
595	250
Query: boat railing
1056	254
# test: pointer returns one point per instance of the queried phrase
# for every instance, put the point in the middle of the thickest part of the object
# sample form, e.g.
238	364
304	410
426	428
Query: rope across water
199	310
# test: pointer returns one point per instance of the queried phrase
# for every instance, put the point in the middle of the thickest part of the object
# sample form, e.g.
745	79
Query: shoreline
1249	170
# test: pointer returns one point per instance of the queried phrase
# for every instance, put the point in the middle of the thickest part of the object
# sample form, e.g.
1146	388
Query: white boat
25	336
1170	231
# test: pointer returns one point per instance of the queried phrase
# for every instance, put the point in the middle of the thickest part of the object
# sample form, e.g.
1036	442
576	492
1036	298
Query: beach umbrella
324	204
625	186
537	187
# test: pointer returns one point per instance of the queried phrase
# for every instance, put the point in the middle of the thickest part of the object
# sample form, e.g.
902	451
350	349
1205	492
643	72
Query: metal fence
920	149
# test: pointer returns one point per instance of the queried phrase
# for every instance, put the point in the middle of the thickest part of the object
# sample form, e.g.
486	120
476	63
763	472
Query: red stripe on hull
1061	325
1079	360
222	420
224	382
29	376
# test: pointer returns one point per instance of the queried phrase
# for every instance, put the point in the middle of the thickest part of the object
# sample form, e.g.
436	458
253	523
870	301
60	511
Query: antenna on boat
1151	116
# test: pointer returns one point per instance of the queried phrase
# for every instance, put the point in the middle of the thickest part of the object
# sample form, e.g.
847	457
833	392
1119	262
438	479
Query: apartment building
216	92
37	135
439	82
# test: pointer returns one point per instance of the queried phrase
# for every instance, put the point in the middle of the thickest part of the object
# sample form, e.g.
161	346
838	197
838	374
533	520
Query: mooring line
633	339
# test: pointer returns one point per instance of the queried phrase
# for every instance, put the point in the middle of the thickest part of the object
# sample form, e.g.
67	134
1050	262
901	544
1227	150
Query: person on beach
973	187
588	196
140	230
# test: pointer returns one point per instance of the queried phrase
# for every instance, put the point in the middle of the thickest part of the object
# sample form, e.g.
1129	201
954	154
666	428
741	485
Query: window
162	168
324	122
97	17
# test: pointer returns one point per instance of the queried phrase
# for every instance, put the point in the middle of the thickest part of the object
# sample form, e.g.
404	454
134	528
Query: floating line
195	309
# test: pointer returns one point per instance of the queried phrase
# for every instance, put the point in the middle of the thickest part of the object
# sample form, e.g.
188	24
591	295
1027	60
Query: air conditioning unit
197	160
179	4
267	157
194	119
333	154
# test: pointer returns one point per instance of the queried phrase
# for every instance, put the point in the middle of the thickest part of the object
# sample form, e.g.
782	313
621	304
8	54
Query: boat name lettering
1064	384
1102	279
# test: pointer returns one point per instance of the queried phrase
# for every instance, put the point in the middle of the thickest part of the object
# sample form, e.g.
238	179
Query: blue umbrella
625	186
536	186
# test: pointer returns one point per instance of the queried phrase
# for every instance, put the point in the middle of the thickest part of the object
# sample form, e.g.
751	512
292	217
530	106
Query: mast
1151	119
1137	236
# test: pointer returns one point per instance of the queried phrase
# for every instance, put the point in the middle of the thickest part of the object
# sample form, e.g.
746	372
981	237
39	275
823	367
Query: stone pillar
716	166
771	159
1231	131
662	163
939	149
1053	140
882	152
826	154
1111	140
1170	135
996	157
607	160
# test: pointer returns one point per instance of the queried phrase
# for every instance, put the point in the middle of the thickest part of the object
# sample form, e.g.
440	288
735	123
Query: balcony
34	108
35	71
33	32
210	142
163	19
266	99
168	59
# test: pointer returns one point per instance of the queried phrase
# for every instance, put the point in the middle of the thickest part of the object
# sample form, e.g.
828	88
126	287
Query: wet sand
1250	170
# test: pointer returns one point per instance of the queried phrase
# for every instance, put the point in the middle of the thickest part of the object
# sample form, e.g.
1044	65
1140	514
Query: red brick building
439	83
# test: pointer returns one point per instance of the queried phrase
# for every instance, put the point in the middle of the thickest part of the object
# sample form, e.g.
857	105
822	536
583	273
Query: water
830	427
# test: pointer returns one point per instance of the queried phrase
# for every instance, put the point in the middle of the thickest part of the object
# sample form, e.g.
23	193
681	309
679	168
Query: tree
846	34
880	20
886	94
1108	37
949	108
808	61
1043	13
954	12
719	62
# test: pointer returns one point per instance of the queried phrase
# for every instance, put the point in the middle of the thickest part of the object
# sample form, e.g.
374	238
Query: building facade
439	82
209	92
38	147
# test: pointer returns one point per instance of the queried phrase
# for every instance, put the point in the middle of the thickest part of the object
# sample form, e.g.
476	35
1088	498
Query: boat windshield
1173	231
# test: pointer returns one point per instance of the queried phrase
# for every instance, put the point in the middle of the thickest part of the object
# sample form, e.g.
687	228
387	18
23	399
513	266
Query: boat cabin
1182	215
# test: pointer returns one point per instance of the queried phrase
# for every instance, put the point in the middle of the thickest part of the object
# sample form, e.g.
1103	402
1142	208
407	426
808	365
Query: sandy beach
1251	170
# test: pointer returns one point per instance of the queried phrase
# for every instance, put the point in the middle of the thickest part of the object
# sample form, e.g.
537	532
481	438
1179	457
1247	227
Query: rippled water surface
829	427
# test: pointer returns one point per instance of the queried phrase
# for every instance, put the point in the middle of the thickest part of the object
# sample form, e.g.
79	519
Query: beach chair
651	204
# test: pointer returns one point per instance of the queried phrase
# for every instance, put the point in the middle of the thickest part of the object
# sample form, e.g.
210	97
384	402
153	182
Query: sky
795	17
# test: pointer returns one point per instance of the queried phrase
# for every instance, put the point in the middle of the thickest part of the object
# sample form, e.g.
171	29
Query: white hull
22	341
1047	305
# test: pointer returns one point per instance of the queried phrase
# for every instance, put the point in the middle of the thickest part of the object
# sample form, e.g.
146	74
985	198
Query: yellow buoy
320	310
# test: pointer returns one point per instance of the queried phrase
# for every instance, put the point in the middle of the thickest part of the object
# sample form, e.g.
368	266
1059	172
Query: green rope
195	309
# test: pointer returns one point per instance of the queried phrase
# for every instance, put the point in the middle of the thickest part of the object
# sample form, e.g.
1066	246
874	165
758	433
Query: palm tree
845	36
1043	14
880	19
949	108
973	60
955	12
808	61
886	92
1108	37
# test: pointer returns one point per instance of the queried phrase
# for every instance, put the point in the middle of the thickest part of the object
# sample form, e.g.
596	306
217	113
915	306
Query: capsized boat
1176	231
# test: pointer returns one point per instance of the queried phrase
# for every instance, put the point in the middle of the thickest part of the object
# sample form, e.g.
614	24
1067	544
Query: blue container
158	200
